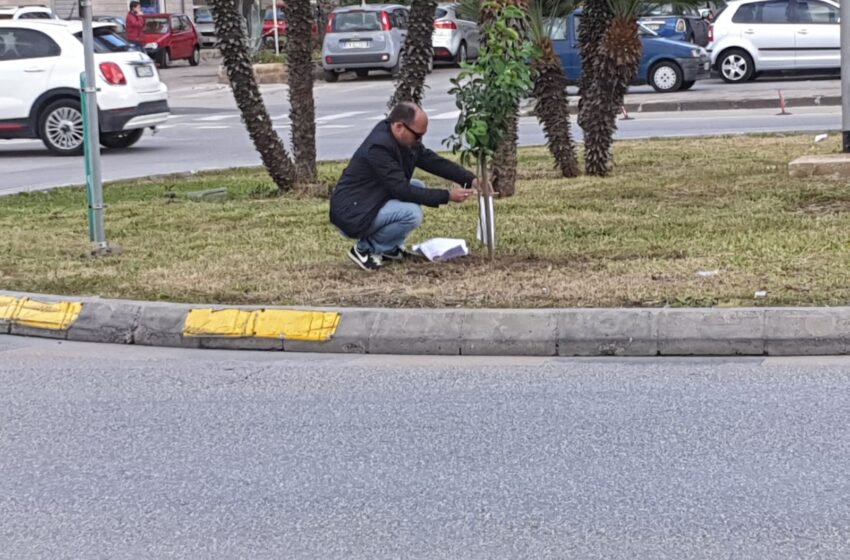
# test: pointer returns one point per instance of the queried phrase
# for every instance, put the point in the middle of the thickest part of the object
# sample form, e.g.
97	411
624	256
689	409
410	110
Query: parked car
170	37
205	26
26	12
41	62
676	22
753	36
665	65
364	38
455	39
282	25
118	23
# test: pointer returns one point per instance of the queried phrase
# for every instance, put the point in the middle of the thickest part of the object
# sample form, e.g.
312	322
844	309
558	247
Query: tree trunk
503	167
237	62
619	59
302	112
553	108
595	21
417	55
325	9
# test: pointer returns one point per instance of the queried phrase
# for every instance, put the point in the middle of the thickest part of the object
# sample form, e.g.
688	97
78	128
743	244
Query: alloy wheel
64	128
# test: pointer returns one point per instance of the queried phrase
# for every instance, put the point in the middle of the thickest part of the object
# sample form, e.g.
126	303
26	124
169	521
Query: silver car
364	38
455	39
206	27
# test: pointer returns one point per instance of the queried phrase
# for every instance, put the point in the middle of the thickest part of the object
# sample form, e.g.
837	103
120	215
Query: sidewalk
494	332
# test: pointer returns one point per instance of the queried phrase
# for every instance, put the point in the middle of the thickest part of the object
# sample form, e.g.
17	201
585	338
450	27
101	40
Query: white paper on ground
442	249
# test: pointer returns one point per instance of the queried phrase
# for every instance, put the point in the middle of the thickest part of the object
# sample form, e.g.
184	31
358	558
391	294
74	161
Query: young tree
246	92
302	110
417	57
487	93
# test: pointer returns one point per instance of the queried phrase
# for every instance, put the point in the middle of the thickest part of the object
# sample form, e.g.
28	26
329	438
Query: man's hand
460	195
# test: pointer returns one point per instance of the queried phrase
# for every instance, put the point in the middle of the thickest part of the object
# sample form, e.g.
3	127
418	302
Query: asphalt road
129	452
205	131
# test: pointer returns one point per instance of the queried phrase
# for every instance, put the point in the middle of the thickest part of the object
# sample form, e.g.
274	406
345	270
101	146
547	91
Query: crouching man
377	203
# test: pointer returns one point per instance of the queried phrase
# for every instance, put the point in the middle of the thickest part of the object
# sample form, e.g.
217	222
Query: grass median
685	222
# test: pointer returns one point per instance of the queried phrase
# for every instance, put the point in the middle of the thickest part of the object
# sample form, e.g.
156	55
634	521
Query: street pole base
107	250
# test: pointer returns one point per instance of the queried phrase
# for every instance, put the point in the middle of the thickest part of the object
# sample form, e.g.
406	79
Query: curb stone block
351	336
416	331
607	332
711	332
509	333
163	326
105	322
798	332
238	343
25	330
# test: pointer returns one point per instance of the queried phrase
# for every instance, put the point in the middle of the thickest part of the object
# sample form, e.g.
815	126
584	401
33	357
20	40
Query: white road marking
211	127
340	116
334	126
214	118
448	116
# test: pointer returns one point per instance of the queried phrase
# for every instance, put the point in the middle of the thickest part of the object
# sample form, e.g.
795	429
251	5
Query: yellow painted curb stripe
262	323
54	316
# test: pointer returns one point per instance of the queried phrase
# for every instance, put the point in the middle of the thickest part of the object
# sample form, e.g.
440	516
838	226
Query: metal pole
845	75
276	38
91	133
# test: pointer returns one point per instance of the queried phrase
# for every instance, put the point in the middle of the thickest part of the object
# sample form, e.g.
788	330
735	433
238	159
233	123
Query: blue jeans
394	222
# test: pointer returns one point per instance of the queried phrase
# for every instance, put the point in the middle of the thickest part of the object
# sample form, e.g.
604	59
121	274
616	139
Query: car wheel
362	73
330	76
666	77
196	56
687	85
462	54
120	140
61	127
165	59
735	66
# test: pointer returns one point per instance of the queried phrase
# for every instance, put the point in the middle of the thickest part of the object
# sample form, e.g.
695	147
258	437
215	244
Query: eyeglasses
417	135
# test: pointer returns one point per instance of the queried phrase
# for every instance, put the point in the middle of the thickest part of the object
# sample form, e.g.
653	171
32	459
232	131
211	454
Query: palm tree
237	62
417	56
302	109
550	88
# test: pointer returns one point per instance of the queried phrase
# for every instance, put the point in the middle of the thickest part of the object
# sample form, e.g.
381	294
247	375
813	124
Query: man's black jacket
381	170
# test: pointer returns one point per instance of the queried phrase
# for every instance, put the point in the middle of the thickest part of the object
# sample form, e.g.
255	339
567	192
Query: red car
268	26
170	37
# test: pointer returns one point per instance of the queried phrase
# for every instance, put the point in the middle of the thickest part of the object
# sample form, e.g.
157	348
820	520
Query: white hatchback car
751	36
40	64
26	12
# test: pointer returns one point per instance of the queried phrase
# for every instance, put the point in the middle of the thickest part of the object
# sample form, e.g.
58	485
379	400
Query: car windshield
106	41
270	15
203	16
156	26
357	21
659	10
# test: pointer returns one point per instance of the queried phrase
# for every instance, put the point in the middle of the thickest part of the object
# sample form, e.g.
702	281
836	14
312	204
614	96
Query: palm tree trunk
553	108
325	9
619	58
302	112
595	21
237	62
503	167
417	55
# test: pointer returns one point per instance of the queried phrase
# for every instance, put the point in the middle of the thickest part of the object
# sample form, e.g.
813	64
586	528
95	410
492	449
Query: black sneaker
400	254
366	261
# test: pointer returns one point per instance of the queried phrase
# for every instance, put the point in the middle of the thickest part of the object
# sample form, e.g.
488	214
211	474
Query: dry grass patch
672	209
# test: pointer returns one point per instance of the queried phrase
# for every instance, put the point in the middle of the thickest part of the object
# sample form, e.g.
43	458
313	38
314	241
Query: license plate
355	44
145	71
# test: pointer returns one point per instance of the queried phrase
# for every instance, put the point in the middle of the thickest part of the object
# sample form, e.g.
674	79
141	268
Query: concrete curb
508	332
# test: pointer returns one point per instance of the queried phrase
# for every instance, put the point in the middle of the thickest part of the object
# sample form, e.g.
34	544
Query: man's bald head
408	123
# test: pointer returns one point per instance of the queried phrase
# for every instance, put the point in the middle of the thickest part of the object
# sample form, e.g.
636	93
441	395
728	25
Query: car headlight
151	46
696	53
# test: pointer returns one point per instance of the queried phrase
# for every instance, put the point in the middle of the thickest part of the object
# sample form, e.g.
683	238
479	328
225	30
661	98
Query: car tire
396	70
330	76
362	73
61	127
665	77
165	58
196	56
121	140
735	66
462	54
687	85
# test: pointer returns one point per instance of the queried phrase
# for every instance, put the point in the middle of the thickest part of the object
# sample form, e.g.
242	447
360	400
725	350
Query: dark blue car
665	65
